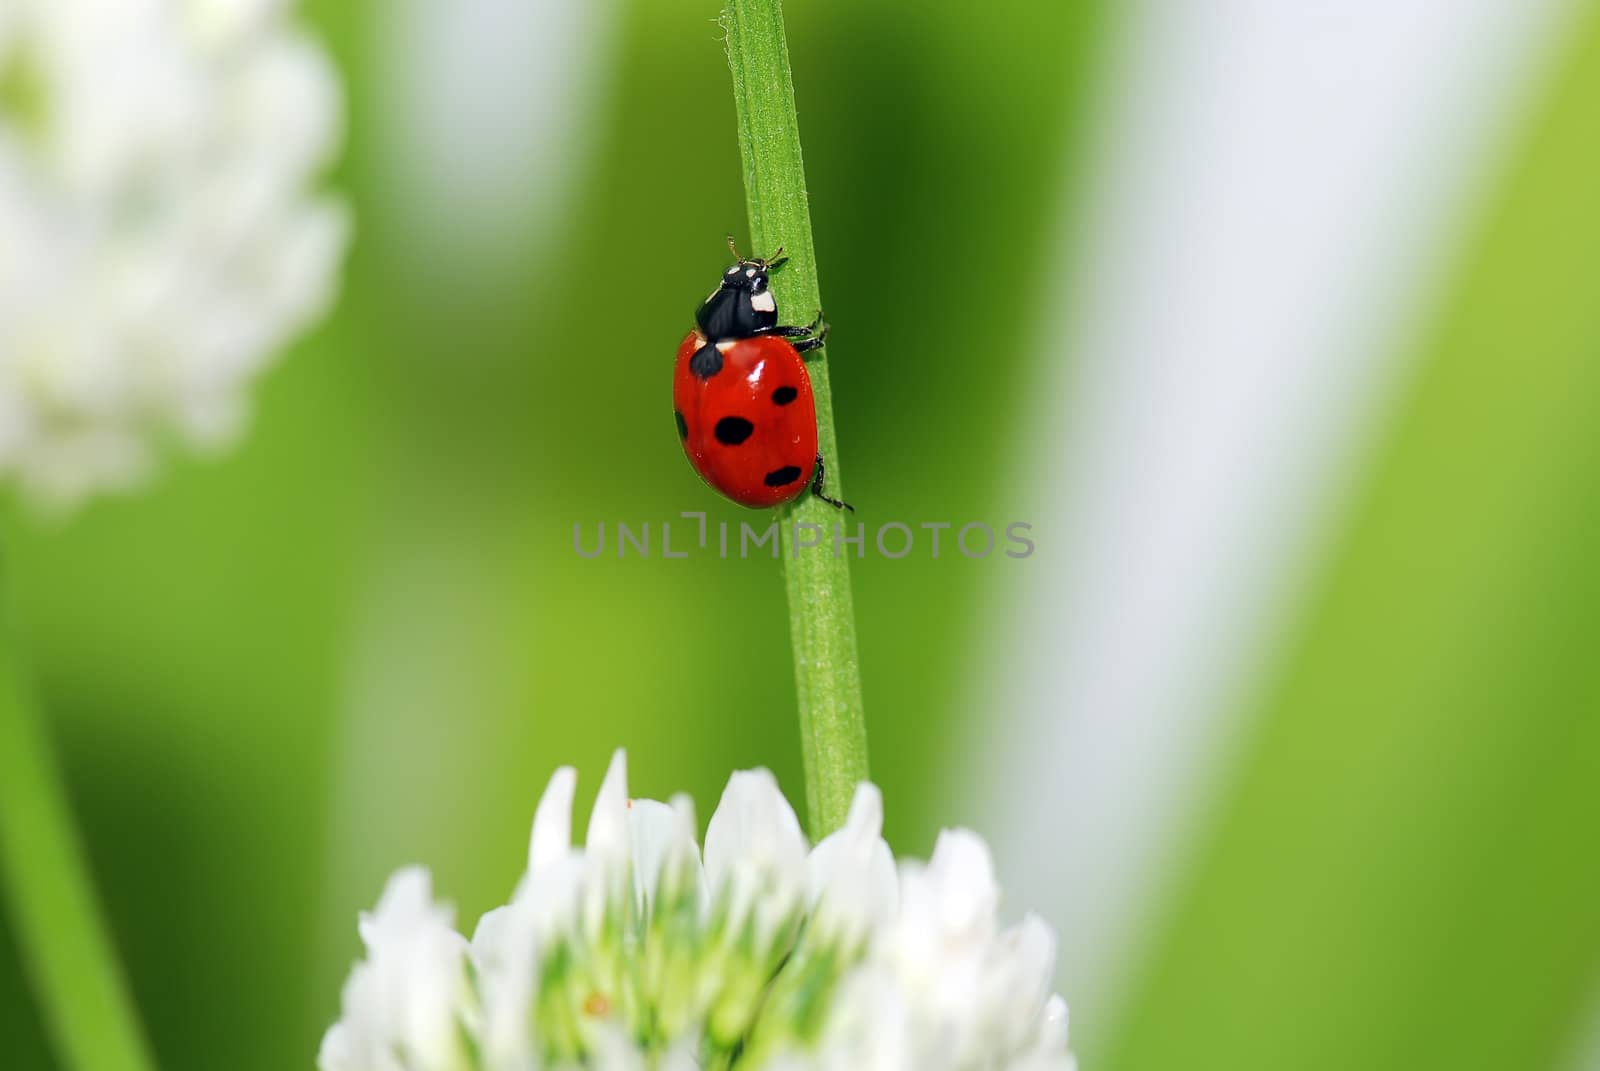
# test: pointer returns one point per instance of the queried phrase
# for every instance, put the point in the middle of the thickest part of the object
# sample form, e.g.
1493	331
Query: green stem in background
56	918
821	620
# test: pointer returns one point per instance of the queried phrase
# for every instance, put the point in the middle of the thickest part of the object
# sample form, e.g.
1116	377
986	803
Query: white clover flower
158	238
631	953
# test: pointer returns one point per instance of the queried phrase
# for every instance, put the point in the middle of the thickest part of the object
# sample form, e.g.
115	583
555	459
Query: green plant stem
58	927
821	620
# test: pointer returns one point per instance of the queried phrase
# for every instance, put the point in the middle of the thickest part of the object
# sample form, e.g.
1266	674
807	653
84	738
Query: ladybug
742	396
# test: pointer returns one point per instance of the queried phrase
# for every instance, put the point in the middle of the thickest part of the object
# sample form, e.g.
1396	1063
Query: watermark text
695	536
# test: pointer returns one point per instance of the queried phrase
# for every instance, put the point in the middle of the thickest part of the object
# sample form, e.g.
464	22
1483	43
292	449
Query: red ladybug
742	396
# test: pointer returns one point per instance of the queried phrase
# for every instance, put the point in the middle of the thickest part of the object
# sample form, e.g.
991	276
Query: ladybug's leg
812	343
800	332
810	336
816	489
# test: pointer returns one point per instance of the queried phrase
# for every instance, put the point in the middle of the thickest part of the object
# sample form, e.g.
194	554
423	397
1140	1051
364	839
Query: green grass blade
75	975
822	621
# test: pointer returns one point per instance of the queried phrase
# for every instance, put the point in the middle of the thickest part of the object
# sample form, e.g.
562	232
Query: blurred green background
363	639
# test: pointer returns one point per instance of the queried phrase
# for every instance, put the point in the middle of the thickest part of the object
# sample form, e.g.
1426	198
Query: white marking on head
749	273
763	302
734	270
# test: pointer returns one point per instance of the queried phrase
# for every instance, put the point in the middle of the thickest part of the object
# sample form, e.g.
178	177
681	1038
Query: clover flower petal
631	954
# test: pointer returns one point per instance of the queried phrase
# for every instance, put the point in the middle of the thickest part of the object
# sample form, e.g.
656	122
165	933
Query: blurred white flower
630	953
159	238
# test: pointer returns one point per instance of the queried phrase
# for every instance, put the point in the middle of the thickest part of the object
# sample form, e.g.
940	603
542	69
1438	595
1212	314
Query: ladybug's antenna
772	262
733	249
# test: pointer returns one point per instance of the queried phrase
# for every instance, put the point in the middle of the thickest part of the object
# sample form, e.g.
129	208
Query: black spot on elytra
733	430
683	425
784	395
779	477
706	362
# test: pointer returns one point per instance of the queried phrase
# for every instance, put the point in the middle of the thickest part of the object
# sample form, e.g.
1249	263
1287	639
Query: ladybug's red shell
750	429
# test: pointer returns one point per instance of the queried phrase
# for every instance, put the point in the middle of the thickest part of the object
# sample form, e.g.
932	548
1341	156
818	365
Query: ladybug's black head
741	305
747	275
